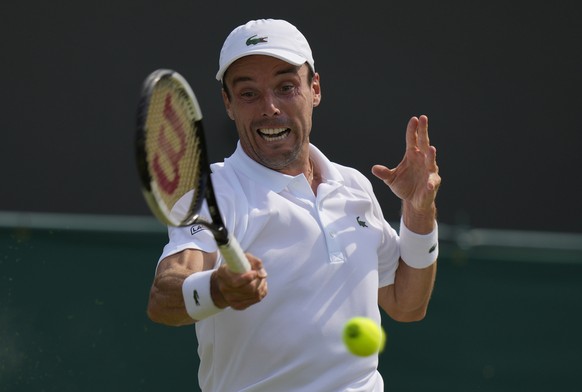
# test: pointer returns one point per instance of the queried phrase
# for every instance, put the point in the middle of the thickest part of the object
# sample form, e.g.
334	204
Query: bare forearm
239	291
408	298
166	300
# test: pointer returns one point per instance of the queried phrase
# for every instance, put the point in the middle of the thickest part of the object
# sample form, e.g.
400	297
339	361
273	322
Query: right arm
239	291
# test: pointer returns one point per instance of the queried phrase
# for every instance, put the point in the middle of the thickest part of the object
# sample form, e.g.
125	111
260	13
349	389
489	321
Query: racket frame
203	189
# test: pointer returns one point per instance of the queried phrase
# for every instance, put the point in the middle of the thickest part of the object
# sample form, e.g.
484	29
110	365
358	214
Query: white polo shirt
325	255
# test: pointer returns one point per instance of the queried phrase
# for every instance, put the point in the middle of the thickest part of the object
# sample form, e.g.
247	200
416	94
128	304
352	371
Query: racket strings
173	145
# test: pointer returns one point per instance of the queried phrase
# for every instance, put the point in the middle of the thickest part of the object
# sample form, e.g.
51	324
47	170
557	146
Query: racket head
170	148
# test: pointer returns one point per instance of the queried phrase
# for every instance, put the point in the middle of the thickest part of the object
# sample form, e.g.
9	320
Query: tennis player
313	231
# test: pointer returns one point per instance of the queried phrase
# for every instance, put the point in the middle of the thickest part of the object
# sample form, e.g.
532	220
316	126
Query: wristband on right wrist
197	297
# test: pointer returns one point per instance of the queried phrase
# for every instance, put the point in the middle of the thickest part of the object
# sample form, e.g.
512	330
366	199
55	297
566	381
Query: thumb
383	173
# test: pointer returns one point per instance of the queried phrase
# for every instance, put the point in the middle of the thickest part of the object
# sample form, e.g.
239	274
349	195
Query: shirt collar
278	181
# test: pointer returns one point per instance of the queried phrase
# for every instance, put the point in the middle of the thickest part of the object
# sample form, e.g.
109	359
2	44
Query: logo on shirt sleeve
196	229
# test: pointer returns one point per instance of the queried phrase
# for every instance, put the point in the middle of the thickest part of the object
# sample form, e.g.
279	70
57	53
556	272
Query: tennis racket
172	161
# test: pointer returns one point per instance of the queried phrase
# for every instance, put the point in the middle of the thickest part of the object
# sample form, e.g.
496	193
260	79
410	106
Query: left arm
407	299
415	181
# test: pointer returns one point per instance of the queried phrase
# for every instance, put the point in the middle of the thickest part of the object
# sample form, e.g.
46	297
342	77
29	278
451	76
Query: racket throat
220	235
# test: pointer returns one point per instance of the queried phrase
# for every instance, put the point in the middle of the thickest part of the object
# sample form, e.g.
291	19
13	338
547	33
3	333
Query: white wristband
418	250
197	298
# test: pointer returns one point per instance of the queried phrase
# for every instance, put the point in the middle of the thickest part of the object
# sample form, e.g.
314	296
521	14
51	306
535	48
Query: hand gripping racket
173	163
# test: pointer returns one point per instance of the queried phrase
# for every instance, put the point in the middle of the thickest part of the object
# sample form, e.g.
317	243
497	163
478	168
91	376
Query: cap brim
284	55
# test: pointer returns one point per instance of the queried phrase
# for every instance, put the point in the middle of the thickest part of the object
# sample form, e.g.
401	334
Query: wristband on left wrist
418	250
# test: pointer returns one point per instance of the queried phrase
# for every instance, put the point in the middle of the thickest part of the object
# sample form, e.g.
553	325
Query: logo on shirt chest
361	222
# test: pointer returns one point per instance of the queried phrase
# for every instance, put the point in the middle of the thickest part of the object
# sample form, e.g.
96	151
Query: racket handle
234	256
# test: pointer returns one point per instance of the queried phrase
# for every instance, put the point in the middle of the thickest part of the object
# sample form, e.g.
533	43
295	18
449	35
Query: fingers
434	182
257	265
417	171
422	133
411	135
431	157
417	133
243	290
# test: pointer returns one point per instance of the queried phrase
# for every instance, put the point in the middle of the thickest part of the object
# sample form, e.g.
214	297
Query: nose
270	105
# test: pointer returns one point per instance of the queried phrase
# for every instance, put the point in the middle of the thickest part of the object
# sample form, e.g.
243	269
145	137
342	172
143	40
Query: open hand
416	178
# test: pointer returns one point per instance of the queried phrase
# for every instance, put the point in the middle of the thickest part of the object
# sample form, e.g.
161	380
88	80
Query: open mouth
273	134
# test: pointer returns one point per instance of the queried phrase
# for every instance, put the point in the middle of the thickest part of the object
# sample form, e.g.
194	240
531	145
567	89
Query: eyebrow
292	69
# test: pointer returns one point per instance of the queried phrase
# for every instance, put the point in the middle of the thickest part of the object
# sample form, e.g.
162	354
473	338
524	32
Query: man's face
271	103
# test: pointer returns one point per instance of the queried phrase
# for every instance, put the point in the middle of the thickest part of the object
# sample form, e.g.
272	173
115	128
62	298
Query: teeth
274	134
272	131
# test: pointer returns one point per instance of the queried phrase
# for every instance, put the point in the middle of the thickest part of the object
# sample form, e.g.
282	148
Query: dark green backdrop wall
500	81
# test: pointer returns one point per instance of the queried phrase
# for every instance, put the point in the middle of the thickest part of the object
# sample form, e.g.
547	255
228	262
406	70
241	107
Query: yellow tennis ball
363	336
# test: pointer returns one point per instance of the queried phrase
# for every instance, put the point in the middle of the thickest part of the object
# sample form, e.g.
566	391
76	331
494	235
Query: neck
313	177
310	172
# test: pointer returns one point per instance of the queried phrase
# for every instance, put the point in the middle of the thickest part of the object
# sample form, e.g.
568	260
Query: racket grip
234	256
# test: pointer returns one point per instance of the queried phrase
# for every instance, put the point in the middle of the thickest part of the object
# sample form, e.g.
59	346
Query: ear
316	88
226	102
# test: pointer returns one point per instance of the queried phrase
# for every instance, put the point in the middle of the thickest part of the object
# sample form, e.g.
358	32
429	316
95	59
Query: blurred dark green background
73	292
500	81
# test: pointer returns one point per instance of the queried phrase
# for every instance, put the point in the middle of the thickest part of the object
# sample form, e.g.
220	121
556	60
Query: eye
247	95
287	88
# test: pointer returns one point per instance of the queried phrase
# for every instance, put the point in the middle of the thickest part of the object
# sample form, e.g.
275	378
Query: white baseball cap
269	37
